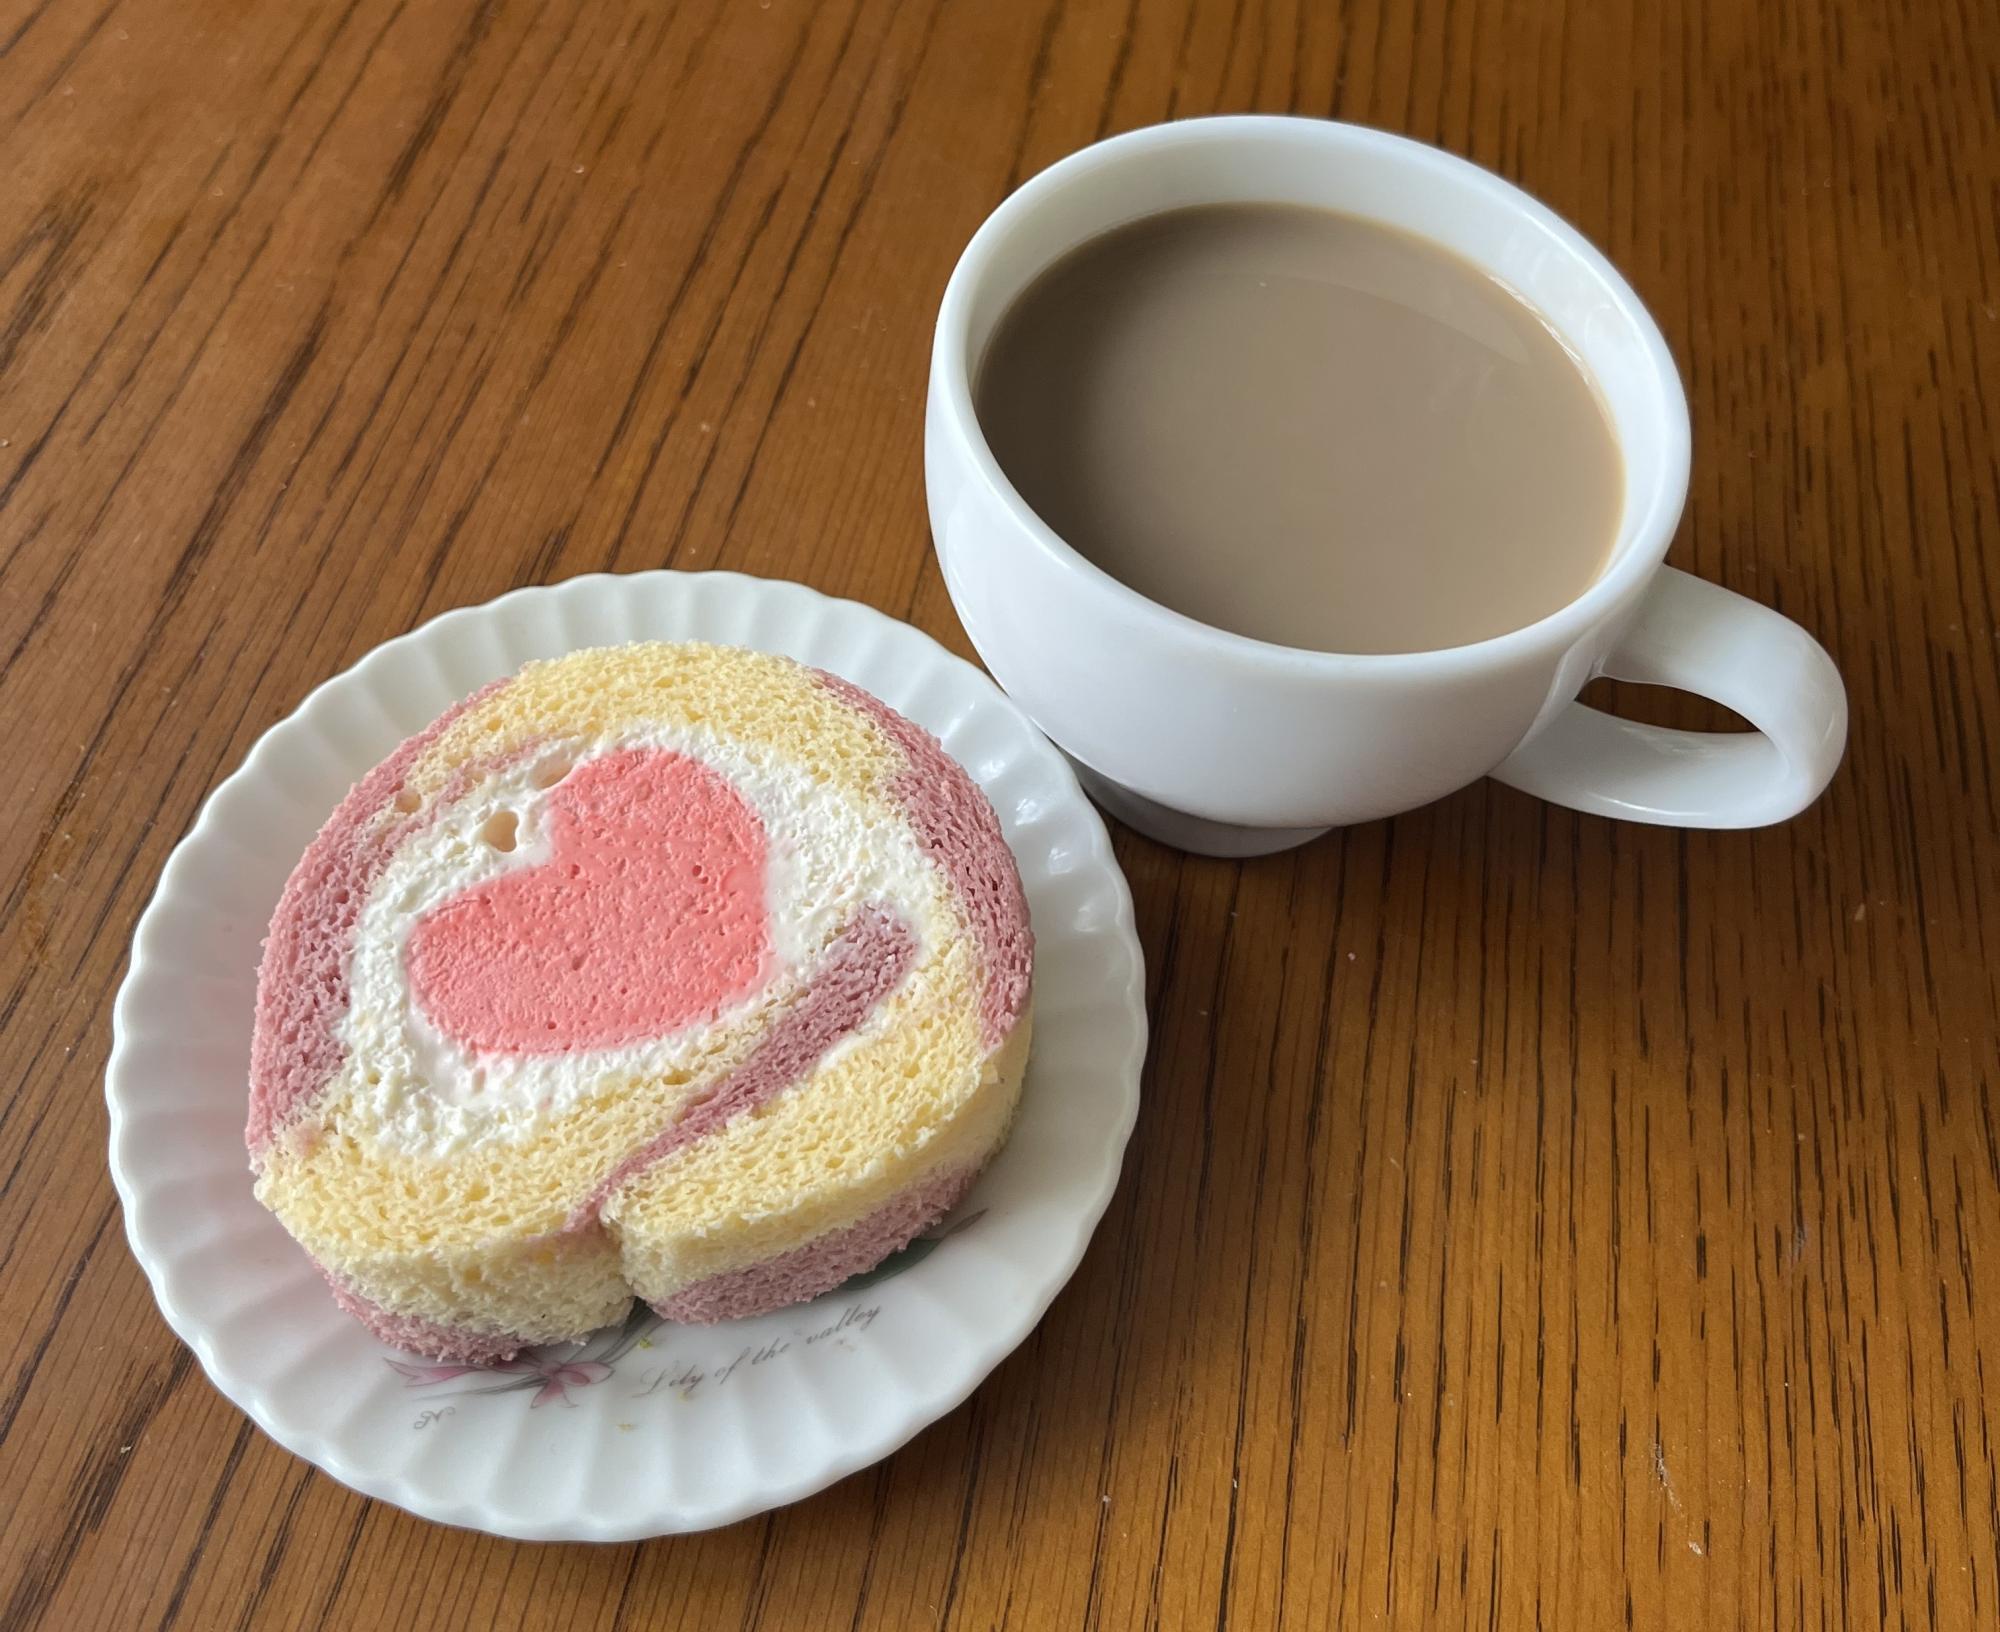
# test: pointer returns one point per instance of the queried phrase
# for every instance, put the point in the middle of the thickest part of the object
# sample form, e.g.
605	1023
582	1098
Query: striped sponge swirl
675	972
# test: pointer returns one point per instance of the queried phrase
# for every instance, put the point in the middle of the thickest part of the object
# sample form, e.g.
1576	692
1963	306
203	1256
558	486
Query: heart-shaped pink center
649	915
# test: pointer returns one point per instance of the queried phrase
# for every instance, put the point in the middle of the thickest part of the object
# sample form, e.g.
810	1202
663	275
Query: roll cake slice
675	972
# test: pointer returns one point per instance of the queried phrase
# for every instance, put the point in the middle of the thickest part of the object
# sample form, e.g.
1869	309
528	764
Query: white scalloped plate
655	1428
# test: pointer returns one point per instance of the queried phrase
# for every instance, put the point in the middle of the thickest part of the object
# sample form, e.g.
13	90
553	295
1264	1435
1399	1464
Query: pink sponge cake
671	972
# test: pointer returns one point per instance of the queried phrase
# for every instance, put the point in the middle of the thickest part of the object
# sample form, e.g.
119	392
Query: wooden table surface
1532	1221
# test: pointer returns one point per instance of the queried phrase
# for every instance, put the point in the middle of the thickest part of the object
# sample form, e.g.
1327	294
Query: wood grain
1533	1222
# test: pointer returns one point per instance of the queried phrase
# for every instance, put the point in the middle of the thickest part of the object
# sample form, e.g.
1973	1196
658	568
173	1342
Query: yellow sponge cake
675	972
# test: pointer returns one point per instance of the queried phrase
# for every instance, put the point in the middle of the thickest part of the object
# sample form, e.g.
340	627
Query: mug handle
1698	637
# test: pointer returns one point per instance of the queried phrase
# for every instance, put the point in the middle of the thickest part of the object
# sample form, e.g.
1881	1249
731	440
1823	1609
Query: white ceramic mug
1219	743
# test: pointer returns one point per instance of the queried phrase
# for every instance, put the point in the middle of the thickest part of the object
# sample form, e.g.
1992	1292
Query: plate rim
1008	1331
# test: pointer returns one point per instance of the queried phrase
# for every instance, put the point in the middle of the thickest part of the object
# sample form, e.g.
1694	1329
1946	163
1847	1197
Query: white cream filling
419	1092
